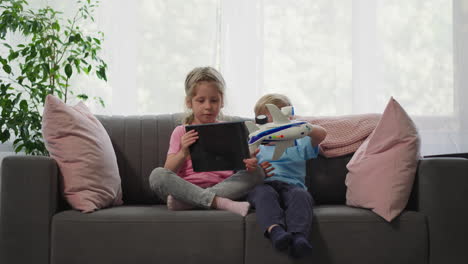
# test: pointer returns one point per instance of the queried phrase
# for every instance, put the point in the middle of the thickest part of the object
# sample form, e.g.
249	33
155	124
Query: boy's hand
267	168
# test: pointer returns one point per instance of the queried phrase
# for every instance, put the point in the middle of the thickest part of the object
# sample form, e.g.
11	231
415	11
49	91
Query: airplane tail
276	114
287	111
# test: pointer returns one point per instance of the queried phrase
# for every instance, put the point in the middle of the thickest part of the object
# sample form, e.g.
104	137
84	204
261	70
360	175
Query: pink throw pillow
382	170
84	153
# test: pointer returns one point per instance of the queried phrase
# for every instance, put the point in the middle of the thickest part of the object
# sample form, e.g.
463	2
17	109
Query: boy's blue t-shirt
291	166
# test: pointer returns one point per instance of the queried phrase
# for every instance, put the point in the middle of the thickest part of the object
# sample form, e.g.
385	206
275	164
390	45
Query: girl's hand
251	163
267	168
187	140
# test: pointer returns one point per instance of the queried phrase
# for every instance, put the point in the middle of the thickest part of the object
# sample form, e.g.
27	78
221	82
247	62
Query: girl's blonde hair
197	75
277	99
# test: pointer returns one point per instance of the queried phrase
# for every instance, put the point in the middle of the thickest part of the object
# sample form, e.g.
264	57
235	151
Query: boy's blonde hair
274	98
197	75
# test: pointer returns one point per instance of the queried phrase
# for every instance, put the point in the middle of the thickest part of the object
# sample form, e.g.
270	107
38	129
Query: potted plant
51	51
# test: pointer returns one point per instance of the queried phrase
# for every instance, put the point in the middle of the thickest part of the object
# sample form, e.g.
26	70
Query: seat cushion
347	235
147	234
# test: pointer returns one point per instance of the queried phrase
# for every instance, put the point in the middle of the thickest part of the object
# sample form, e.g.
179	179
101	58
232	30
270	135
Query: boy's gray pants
164	182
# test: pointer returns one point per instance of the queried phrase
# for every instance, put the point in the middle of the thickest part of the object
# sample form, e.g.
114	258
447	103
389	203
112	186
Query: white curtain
331	57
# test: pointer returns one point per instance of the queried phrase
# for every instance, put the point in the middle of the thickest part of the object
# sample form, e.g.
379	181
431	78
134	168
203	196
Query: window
332	57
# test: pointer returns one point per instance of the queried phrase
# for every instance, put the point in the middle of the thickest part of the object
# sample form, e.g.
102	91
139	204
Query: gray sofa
38	227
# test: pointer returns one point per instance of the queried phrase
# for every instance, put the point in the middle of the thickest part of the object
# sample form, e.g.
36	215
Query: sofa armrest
441	185
28	202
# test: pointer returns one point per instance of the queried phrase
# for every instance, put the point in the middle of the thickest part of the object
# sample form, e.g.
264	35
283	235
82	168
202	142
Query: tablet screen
220	146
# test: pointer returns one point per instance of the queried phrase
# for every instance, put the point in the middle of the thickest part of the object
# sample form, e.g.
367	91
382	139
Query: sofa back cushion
141	144
325	179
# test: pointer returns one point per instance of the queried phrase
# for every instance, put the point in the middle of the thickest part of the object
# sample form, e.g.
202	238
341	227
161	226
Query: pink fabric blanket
344	133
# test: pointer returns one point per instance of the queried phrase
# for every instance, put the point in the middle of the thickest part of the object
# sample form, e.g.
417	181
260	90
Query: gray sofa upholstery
38	227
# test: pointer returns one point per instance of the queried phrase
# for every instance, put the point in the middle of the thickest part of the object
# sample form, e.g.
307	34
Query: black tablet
220	146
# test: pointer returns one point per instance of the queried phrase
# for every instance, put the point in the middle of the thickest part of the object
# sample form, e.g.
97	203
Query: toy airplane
282	131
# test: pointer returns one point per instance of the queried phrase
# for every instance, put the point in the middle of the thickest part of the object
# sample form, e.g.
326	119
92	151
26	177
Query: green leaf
56	26
4	87
45	53
68	70
78	37
101	102
13	55
46	68
24	51
19	148
5	135
32	53
83	97
24	105
20	79
88	70
17	98
7	68
101	73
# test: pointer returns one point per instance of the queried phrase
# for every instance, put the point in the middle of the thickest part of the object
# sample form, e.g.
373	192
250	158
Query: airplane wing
251	126
277	116
281	147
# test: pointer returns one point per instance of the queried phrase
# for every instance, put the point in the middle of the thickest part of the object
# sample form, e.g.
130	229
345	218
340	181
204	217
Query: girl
177	183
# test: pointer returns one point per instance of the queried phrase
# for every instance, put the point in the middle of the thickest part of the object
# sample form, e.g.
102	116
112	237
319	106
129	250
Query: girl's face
206	103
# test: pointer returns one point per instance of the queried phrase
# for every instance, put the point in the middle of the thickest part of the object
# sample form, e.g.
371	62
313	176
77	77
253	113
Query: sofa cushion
141	144
325	179
343	235
83	151
147	234
382	171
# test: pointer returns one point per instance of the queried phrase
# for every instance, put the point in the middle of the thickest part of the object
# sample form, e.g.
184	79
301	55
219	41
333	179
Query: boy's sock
176	205
280	238
300	246
241	208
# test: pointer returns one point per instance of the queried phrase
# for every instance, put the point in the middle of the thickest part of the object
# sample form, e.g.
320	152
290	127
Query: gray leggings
164	182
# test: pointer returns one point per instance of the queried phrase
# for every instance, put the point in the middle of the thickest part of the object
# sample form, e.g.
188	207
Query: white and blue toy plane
282	131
